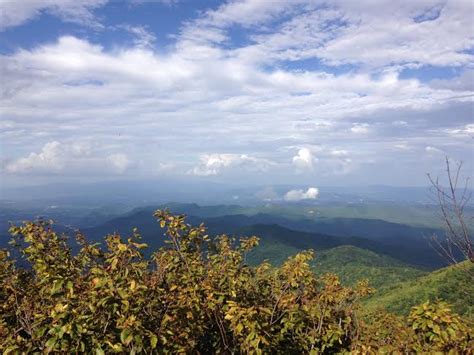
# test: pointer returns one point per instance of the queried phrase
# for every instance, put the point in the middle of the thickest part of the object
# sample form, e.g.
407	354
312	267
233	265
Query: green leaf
69	286
153	341
126	336
57	286
50	343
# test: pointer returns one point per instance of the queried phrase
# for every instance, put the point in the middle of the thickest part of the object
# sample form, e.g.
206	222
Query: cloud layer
317	91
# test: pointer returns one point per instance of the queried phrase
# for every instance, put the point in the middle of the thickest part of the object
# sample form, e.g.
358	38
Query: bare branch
452	202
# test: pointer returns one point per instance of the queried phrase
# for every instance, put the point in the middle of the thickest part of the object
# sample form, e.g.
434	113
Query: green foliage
429	328
196	295
452	284
352	264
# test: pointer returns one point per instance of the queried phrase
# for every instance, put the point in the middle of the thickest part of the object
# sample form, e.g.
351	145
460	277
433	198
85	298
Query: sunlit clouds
304	91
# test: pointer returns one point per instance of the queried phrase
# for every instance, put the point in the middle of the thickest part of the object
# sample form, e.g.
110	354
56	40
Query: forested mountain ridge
406	243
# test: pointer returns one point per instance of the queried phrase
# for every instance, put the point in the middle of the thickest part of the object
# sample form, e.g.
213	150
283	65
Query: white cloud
214	164
328	162
143	37
303	160
297	195
466	131
14	13
67	159
342	32
119	162
247	12
50	158
402	146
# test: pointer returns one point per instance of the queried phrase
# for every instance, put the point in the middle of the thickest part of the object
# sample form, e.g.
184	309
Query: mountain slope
452	284
352	264
271	233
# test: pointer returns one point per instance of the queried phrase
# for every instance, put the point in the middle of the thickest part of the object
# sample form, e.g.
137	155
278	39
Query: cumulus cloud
330	161
67	158
51	158
297	195
303	160
214	164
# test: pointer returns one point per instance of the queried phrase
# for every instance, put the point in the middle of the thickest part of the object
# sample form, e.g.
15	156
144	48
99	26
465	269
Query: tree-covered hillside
452	284
349	263
196	295
353	264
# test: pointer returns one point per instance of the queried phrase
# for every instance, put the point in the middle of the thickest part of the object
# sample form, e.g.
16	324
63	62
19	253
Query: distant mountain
284	239
301	227
416	215
402	242
268	233
452	284
234	216
414	254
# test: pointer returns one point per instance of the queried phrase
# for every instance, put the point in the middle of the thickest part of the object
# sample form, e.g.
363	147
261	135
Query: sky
263	92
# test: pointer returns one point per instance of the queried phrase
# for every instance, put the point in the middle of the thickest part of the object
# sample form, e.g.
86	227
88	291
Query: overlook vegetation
200	295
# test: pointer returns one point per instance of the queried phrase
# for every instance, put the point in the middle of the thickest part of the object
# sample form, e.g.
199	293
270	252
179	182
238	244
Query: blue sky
255	91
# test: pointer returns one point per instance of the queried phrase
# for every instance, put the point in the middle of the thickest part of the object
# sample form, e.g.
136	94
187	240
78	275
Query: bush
196	295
